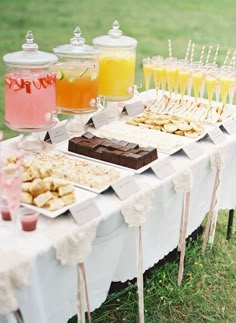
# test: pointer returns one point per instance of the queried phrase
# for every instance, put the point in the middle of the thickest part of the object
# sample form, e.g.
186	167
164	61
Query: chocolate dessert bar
117	152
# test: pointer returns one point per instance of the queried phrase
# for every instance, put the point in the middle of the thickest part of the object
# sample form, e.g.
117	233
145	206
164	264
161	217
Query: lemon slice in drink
60	75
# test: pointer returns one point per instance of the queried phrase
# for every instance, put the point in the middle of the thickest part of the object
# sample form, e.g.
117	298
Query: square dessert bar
117	152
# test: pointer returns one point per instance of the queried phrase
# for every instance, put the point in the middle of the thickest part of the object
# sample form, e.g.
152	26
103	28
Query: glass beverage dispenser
77	76
117	64
30	88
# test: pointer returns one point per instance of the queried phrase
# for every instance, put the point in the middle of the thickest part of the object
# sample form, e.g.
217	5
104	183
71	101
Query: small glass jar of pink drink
30	88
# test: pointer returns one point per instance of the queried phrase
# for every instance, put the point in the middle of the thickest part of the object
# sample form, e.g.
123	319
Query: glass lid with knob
115	38
30	56
77	47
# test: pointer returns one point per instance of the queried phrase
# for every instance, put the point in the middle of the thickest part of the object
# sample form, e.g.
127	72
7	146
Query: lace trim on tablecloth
218	158
136	208
74	247
183	181
15	269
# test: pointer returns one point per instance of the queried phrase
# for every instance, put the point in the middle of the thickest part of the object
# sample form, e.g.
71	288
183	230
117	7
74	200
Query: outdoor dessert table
49	291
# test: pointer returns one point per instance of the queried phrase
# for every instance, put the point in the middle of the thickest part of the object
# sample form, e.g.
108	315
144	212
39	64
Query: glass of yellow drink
147	72
225	82
158	71
197	79
184	75
211	82
172	74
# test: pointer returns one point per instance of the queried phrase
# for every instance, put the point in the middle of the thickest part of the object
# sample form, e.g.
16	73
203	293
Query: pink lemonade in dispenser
29	98
30	88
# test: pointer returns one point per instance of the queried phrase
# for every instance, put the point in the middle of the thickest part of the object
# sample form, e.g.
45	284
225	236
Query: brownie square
110	157
147	157
99	151
152	151
82	148
72	144
105	142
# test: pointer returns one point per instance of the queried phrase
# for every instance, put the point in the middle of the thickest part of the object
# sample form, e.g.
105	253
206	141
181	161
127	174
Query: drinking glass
12	180
197	79
147	71
225	81
211	81
184	75
157	71
232	88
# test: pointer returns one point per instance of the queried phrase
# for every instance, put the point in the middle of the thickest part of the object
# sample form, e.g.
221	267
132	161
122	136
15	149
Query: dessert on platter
168	123
188	108
145	137
48	192
120	152
84	173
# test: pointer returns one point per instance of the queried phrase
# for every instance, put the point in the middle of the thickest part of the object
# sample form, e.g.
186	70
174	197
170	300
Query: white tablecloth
50	296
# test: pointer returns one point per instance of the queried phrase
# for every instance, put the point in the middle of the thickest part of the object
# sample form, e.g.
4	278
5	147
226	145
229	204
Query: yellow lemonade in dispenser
116	75
116	64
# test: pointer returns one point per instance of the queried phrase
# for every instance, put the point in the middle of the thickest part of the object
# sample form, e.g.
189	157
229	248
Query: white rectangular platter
80	196
63	147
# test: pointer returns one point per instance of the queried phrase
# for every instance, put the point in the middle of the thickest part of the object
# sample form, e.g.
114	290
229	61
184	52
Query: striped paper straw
208	54
188	50
216	53
170	48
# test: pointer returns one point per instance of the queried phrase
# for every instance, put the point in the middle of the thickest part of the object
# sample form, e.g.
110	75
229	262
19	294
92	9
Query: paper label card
125	187
230	126
216	135
163	169
56	134
85	212
193	150
133	109
98	120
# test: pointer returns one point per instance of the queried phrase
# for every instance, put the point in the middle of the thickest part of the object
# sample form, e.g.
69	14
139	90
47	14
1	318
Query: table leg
230	224
18	316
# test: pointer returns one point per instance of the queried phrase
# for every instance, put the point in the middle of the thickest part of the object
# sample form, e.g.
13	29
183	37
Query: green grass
207	293
151	22
208	290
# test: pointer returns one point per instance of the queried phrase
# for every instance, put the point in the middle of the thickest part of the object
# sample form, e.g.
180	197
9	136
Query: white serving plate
80	196
64	148
148	137
151	95
122	173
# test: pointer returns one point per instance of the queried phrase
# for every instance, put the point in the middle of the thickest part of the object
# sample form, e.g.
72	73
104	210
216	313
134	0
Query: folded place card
216	135
193	150
56	134
133	109
85	212
98	120
163	168
125	187
230	126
